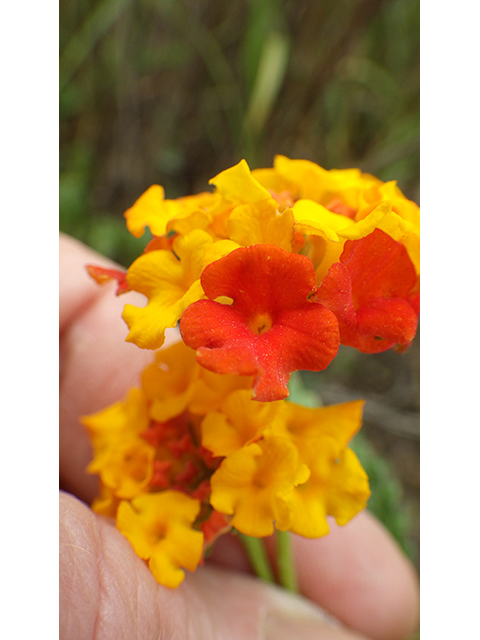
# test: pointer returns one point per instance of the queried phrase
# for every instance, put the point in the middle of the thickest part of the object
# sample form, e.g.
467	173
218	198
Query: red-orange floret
371	291
271	329
214	526
101	275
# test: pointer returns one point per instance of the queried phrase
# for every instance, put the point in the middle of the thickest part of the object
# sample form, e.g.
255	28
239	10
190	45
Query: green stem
285	561
258	557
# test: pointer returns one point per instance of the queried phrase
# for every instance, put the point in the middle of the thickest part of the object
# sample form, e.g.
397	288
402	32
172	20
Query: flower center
338	206
261	323
283	198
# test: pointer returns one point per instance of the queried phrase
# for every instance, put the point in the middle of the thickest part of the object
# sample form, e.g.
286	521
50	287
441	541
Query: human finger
97	366
107	592
357	572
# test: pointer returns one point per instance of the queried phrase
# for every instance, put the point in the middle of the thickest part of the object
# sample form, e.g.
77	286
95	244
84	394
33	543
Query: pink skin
357	572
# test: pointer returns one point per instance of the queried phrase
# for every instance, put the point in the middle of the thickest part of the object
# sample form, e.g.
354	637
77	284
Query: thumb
107	592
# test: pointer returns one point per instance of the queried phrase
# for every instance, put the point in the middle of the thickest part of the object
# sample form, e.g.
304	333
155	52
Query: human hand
356	573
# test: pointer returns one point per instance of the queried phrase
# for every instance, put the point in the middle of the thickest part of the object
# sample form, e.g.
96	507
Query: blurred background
172	92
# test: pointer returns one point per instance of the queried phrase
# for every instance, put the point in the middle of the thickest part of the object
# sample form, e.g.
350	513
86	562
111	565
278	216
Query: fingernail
292	617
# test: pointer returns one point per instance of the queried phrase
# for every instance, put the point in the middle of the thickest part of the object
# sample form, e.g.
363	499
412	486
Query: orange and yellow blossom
175	382
336	189
122	459
346	192
330	205
259	466
164	216
190	453
159	527
238	422
338	485
168	383
251	483
125	469
118	423
170	281
262	223
207	211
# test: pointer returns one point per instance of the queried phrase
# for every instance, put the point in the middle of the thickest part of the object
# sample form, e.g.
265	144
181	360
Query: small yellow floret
239	421
119	422
250	483
171	282
159	527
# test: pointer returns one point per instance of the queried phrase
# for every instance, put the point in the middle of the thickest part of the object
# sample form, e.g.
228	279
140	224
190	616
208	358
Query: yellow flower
170	283
175	382
168	382
312	218
145	212
343	204
387	209
349	489
159	527
338	421
253	482
126	469
406	209
161	216
239	421
210	390
338	485
315	183
120	422
262	223
106	503
274	182
207	211
123	460
237	185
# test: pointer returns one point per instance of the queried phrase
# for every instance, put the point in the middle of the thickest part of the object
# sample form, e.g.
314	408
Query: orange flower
270	329
371	292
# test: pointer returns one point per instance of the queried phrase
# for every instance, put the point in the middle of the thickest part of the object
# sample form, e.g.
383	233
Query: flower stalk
257	555
287	575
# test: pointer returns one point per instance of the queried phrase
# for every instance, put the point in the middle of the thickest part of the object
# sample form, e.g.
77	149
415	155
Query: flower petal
262	223
238	185
315	219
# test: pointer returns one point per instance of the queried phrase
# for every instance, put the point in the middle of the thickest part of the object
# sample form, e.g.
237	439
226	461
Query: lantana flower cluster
266	275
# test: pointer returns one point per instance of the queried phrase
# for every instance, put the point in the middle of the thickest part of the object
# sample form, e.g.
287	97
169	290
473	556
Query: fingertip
360	574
